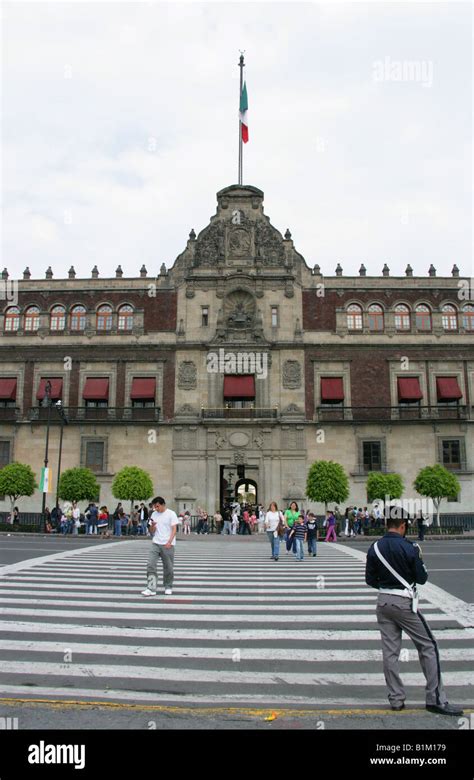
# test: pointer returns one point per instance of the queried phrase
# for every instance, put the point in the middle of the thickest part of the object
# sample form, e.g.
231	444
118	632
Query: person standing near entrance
394	567
164	524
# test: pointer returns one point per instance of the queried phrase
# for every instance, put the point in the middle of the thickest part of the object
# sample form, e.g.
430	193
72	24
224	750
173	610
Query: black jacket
402	555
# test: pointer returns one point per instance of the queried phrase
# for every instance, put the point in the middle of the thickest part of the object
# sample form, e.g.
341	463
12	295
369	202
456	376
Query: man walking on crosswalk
394	566
163	527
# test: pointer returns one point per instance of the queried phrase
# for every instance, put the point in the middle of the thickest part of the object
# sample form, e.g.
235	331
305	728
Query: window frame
449	318
55	317
12	314
354	313
106	316
375	312
33	317
423	313
125	315
82	315
402	312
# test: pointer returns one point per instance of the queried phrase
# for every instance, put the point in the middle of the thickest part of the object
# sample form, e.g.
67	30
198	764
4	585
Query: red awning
332	389
96	389
143	388
7	389
447	388
56	388
409	388
239	387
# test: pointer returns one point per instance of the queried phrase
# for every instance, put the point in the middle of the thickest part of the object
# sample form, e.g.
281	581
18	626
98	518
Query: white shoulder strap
390	568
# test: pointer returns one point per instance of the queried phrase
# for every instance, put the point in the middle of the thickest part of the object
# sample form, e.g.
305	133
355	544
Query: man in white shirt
163	527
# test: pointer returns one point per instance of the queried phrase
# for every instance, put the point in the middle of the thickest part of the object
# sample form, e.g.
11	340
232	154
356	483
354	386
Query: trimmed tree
327	483
132	484
78	485
381	485
17	480
437	483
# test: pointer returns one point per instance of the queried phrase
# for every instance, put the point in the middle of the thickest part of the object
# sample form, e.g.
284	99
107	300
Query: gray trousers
394	615
167	556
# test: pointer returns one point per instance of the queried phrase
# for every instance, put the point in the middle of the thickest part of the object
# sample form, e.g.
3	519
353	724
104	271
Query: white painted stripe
116	591
224	699
287	616
12	568
223	653
236	677
169	603
219	634
454	608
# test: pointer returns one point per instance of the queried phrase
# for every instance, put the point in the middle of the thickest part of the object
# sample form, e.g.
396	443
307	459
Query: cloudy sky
120	125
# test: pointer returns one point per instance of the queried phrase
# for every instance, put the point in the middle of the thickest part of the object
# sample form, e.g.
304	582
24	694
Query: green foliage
437	483
380	485
78	485
327	483
17	480
132	484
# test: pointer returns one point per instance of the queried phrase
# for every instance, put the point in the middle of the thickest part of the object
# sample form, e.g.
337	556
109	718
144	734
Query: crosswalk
239	630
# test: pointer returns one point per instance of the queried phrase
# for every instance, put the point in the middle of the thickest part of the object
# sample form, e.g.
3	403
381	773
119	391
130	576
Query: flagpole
241	66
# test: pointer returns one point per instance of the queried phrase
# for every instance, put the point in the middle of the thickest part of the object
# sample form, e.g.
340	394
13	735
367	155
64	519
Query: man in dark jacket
397	611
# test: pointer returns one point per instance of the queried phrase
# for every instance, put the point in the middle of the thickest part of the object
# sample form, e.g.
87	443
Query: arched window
104	317
12	318
375	317
125	317
423	317
468	317
354	317
402	317
58	318
32	318
78	317
449	317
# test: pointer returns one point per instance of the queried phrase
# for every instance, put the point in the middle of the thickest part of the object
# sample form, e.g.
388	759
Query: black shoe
398	707
276	559
445	709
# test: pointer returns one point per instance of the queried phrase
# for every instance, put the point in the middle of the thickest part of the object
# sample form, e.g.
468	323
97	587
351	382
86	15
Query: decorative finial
119	272
163	269
455	271
5	274
338	270
362	270
409	270
385	270
26	273
49	273
317	270
143	271
288	234
95	272
192	235
432	270
72	273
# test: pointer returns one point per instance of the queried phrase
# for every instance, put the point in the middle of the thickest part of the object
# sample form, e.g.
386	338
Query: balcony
9	414
110	414
239	414
362	414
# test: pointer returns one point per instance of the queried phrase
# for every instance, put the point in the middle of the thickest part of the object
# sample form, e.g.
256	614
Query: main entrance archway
246	491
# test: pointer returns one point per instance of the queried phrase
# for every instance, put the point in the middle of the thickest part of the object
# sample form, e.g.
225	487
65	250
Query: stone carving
187	375
239	242
210	246
291	374
292	409
239	458
268	244
186	410
239	310
221	441
258	441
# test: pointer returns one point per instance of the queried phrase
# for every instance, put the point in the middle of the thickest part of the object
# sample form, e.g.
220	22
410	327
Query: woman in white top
76	518
273	521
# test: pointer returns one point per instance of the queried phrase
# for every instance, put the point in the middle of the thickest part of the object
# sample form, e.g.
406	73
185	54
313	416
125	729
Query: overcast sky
120	125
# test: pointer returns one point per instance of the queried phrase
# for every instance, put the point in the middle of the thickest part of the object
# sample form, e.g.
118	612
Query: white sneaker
168	592
148	592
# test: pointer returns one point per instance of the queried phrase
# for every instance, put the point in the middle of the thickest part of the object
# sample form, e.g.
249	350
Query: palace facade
234	370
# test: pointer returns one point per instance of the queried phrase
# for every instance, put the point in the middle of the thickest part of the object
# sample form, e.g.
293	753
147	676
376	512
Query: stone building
231	372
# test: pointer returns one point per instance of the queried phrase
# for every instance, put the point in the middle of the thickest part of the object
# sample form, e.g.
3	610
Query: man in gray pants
394	566
163	527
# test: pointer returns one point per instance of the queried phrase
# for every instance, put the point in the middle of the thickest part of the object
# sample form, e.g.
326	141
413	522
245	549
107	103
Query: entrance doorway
246	491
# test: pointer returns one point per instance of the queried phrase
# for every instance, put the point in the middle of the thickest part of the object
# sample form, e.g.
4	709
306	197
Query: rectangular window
204	316
140	404
95	455
4	453
451	453
274	316
96	404
372	455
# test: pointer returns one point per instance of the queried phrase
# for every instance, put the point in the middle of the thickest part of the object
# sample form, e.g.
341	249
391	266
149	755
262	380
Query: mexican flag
243	114
46	480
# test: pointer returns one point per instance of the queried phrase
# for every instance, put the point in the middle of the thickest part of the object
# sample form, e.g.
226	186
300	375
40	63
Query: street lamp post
64	421
46	402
